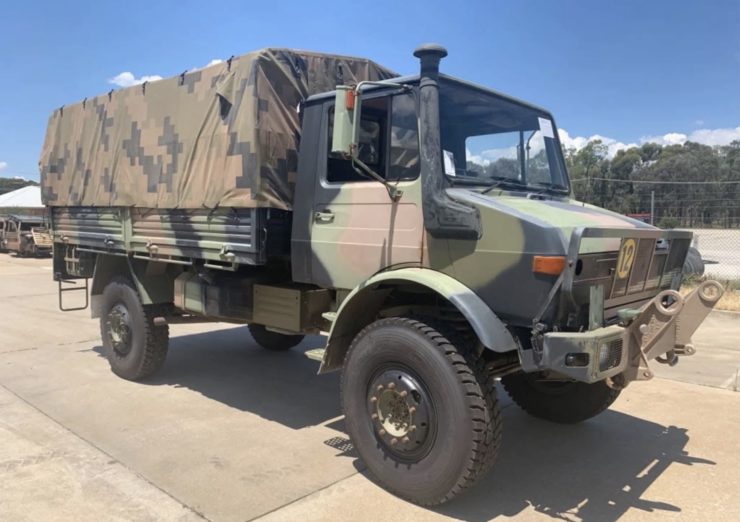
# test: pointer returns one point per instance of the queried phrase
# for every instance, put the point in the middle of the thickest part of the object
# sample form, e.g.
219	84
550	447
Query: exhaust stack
444	217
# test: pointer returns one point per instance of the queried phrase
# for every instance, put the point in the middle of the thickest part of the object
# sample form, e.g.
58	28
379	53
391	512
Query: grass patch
730	300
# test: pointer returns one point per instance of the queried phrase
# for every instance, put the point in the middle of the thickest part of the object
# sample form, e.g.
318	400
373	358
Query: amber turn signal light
548	265
350	100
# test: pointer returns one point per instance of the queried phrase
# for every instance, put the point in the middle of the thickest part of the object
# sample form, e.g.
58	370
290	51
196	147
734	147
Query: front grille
653	268
610	355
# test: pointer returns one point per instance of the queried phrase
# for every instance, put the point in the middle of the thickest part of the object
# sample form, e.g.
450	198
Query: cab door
356	229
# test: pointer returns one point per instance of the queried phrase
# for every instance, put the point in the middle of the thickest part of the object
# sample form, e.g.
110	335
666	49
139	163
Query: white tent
26	197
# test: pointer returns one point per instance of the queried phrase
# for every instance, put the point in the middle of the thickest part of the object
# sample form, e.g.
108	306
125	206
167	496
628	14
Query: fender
151	279
362	304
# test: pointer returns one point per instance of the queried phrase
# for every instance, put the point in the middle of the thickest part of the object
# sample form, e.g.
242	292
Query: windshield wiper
502	181
547	187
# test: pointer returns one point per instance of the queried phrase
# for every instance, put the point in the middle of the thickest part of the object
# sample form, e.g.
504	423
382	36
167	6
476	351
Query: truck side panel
221	236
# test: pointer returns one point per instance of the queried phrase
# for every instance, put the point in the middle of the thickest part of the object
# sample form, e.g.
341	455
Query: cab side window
388	144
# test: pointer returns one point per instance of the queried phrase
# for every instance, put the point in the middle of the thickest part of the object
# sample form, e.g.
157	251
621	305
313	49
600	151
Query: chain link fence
710	209
720	251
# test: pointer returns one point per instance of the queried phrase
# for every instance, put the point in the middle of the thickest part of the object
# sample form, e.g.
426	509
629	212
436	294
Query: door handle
323	217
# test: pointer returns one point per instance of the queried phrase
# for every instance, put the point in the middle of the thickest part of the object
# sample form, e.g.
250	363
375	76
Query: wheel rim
402	414
119	329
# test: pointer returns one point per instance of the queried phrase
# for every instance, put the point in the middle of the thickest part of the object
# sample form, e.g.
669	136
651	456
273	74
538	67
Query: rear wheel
423	416
273	341
135	347
565	402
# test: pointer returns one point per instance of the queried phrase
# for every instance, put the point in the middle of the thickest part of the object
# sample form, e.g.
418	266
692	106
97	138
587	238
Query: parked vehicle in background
423	223
25	235
694	264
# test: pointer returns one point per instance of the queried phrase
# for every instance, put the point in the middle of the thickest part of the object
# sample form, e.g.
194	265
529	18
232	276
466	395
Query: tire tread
480	390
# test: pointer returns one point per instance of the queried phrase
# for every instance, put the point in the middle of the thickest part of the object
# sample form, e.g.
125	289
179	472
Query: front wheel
136	348
422	414
565	402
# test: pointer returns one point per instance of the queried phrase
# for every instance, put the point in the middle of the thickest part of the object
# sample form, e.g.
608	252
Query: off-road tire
149	342
467	415
273	341
561	402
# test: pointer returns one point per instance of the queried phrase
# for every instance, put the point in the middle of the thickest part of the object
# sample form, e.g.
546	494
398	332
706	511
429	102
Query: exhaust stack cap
430	55
430	49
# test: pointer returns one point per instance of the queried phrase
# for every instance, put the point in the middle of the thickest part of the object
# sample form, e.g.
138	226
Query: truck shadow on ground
597	470
228	366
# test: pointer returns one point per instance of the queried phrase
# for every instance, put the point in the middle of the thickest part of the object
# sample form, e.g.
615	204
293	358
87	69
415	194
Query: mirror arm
364	170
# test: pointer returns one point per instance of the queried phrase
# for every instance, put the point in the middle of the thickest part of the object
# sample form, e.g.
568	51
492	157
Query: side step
71	285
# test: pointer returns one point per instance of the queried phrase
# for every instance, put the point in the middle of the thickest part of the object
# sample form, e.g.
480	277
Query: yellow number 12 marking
626	257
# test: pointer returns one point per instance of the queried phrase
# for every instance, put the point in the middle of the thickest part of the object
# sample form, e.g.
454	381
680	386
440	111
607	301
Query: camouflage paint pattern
222	136
367	233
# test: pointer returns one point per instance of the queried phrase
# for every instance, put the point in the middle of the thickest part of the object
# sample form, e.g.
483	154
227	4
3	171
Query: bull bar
660	329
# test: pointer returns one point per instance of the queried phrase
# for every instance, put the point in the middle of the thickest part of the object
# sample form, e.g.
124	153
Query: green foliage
668	222
615	183
10	184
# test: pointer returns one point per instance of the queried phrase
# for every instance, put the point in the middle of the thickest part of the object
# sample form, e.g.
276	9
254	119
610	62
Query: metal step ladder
72	285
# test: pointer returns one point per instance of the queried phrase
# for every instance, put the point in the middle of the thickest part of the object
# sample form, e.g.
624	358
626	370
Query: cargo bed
222	237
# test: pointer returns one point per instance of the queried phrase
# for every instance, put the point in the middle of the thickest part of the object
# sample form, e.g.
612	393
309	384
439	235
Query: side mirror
343	137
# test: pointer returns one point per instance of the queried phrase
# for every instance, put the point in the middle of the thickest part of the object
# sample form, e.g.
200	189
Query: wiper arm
548	186
503	181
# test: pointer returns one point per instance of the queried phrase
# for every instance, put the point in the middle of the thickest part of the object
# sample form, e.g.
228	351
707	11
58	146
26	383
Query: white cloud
3	165
578	142
712	137
215	61
699	123
671	138
127	79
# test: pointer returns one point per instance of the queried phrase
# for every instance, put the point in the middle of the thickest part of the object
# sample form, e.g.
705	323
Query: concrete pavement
231	432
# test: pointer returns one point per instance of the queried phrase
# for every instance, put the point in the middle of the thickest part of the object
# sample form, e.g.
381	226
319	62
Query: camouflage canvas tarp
226	135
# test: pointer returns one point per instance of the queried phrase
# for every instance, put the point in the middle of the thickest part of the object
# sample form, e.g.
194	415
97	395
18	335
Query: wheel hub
119	329
401	412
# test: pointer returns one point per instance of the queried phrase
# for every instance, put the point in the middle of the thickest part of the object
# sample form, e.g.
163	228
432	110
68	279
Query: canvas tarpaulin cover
223	136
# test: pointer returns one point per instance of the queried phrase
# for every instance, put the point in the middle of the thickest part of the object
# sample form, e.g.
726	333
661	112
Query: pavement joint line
732	382
20	350
54	346
80	341
358	472
278	508
133	471
29	295
723	386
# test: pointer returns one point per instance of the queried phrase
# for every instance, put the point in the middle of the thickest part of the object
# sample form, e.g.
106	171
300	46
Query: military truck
422	223
25	235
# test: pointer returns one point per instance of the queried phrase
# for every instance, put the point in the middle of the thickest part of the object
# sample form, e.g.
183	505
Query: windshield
490	140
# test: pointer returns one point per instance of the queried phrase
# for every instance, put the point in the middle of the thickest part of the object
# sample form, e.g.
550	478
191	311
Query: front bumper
660	330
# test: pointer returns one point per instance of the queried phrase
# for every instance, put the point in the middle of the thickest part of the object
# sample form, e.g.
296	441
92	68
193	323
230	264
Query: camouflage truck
424	224
26	235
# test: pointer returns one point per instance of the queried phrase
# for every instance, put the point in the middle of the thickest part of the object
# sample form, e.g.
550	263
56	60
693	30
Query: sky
625	72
